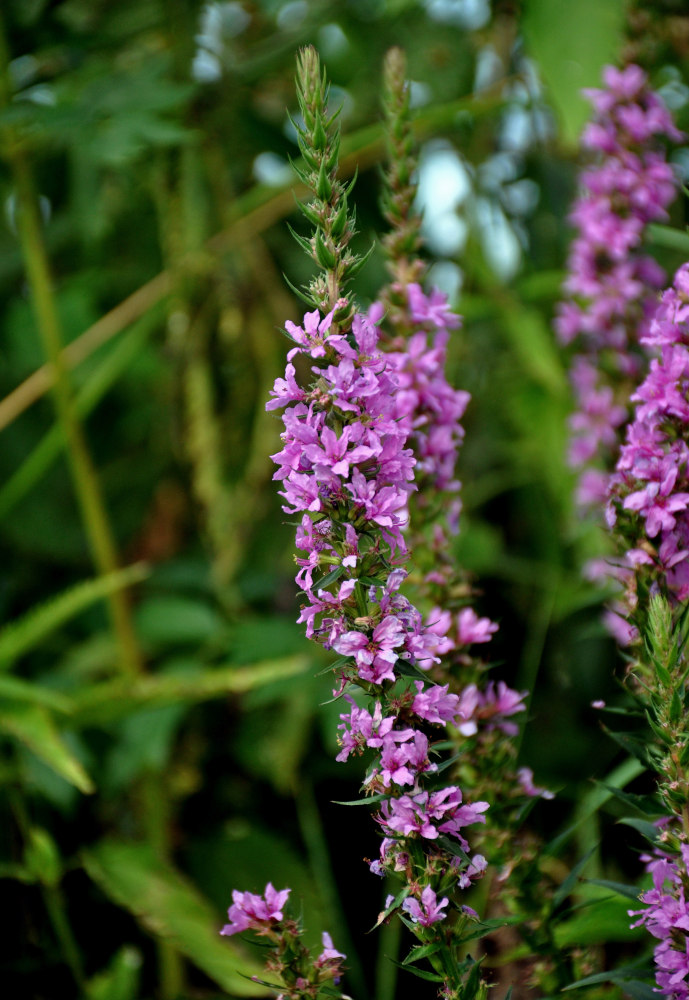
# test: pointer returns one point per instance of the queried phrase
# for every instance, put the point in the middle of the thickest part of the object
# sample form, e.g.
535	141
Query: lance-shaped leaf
33	726
25	633
111	700
172	910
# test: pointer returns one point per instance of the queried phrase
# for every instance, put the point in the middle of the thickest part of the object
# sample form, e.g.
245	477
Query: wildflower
428	910
611	284
666	917
649	491
249	911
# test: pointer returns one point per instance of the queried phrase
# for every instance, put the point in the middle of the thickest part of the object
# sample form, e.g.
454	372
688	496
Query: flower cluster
611	285
289	958
666	917
649	492
352	440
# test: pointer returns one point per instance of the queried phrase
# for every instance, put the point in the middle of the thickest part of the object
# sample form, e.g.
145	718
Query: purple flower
473	872
374	654
329	955
428	911
471	628
360	728
525	779
311	338
249	911
435	703
428	814
404	756
666	917
611	285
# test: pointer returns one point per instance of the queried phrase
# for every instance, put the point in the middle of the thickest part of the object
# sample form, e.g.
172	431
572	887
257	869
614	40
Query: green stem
55	905
321	866
156	817
388	952
53	899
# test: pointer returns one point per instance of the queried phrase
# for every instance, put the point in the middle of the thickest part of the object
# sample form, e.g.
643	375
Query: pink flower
428	911
472	629
249	911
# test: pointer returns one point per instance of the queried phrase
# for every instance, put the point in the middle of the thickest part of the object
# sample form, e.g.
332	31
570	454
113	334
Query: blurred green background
151	766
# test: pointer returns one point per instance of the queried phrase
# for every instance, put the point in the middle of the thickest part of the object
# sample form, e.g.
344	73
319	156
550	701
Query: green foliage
571	43
167	904
137	797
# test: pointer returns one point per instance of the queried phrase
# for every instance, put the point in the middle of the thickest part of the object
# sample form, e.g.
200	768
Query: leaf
566	887
643	826
399	898
20	690
378	797
532	341
613	976
571	42
26	633
421	951
633	746
638	990
642	803
666	236
120	980
600	921
47	450
331	577
33	726
171	909
111	700
629	891
431	977
143	745
171	620
485	927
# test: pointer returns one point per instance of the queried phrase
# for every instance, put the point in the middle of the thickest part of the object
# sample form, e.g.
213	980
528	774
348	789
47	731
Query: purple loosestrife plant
612	284
352	424
649	492
648	509
415	329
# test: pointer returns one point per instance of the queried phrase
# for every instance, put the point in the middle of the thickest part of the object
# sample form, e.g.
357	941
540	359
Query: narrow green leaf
304	296
172	910
566	887
21	690
666	236
643	826
330	577
571	42
431	977
44	454
620	975
33	726
628	891
353	269
363	802
120	980
633	746
111	700
647	804
640	991
421	951
23	635
399	898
